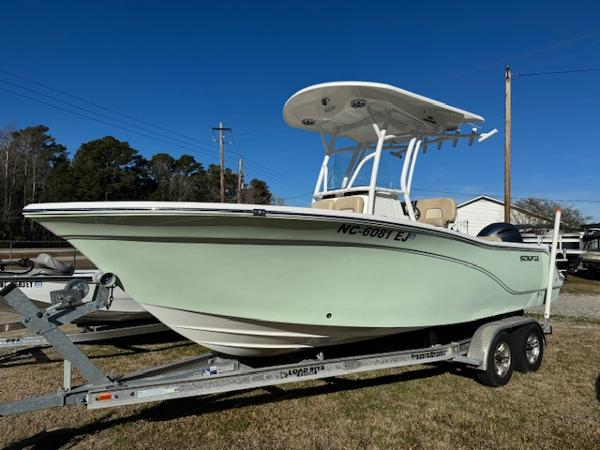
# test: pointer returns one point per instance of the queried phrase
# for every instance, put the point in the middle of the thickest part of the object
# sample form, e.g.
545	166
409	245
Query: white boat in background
122	309
49	270
590	260
570	249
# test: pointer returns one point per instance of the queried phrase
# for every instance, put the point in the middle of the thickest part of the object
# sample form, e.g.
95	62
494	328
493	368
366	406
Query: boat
123	308
363	261
48	272
570	249
590	260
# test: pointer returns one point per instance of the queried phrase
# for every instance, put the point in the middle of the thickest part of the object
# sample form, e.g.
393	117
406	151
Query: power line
257	130
89	102
20	94
528	53
260	169
161	137
558	44
472	194
72	105
299	196
185	147
557	72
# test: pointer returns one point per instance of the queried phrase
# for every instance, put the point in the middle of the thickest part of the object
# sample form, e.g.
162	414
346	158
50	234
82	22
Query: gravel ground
574	305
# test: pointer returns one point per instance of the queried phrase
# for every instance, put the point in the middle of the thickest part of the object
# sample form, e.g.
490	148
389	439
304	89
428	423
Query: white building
474	215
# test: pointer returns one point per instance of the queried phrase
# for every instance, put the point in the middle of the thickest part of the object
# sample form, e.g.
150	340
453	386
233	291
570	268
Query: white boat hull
239	337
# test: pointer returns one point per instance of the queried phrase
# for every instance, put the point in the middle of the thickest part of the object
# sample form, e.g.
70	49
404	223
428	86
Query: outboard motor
506	232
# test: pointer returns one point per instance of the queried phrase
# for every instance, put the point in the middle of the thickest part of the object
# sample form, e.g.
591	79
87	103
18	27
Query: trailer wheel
499	367
529	348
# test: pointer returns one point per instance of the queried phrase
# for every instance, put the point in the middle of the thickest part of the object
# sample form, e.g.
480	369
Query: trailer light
103	397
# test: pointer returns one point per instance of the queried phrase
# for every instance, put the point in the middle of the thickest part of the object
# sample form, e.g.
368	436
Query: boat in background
570	249
365	260
49	270
590	260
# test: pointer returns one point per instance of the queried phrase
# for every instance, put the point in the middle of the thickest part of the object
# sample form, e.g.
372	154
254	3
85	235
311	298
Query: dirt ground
422	407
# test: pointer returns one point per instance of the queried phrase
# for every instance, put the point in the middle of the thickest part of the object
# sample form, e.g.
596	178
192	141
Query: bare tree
545	209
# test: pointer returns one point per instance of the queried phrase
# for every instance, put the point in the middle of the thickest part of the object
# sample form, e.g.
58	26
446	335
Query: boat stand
211	373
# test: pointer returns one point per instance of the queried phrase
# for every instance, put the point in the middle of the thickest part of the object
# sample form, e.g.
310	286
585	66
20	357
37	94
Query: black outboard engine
506	232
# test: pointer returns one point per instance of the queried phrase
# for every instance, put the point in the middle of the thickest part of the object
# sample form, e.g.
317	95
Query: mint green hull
304	274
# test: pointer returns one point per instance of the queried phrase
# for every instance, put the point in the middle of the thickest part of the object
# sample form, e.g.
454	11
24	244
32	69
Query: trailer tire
499	365
529	348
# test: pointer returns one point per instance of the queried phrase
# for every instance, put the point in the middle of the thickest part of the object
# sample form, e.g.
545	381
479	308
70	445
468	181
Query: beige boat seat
490	238
323	204
437	211
354	204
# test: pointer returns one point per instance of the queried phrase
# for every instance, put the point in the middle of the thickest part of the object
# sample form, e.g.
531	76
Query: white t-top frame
408	145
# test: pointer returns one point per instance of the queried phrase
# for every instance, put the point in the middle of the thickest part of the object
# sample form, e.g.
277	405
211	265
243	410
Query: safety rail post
551	268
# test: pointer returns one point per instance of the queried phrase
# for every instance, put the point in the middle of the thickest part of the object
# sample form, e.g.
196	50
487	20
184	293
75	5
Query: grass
418	407
580	285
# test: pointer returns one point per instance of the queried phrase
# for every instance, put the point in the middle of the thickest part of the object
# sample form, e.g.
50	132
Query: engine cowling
506	232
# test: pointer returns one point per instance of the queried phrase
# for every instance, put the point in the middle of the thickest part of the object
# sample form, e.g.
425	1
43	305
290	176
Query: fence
27	249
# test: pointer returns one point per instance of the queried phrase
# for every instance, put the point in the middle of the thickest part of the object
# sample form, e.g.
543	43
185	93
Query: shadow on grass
30	356
598	388
175	409
25	357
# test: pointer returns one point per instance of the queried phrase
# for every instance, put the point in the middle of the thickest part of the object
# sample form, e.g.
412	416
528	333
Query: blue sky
187	65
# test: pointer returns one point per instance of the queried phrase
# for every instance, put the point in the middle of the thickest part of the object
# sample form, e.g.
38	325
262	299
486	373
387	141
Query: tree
214	184
258	193
545	209
34	168
183	179
109	169
28	157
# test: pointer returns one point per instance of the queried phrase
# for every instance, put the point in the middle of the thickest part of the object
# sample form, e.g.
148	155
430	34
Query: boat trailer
211	373
494	350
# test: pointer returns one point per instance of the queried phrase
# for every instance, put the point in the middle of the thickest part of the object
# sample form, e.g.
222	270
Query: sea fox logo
525	258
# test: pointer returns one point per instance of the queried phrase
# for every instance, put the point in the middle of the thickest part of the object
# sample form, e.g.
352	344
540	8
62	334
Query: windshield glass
342	167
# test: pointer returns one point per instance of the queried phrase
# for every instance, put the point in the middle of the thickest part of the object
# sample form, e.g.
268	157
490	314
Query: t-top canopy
349	108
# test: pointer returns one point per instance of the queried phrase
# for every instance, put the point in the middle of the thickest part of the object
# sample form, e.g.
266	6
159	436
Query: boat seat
323	204
490	238
354	204
438	212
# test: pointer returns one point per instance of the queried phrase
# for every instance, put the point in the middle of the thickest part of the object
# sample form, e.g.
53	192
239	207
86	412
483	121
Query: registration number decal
22	284
376	232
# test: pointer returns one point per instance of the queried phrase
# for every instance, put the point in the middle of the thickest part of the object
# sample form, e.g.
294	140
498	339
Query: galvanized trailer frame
211	373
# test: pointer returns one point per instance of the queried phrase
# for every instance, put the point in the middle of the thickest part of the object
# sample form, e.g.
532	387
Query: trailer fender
486	333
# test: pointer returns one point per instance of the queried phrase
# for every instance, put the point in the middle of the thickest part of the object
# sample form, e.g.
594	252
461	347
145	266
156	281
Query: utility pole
507	107
221	131
240	183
